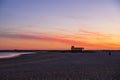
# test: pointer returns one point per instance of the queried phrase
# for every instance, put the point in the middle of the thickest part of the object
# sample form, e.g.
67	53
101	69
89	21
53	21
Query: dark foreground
61	66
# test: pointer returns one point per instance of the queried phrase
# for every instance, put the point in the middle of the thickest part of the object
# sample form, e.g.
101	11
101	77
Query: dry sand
61	66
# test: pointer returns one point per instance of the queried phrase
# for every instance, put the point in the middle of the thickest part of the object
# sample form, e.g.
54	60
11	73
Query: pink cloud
88	33
68	39
45	37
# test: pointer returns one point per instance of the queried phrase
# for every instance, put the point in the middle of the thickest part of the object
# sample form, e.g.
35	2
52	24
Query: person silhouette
109	53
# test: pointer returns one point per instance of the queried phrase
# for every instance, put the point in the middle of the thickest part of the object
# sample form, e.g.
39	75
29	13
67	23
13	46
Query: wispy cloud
94	35
41	37
82	39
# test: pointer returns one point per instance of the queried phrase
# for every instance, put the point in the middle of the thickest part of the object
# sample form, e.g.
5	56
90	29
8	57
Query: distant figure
109	53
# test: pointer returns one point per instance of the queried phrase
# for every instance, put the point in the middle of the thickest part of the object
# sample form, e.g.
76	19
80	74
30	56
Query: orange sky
59	24
84	38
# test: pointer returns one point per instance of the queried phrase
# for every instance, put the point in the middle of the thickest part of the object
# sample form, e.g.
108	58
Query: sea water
12	54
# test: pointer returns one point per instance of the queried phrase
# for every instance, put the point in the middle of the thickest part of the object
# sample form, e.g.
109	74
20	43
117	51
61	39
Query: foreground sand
61	66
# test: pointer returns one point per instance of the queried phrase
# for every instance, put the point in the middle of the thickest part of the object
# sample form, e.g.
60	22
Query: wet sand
61	66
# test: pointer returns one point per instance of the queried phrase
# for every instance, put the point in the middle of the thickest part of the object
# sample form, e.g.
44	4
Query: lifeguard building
76	49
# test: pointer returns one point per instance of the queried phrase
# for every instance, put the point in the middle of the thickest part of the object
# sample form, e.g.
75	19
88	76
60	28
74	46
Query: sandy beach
61	66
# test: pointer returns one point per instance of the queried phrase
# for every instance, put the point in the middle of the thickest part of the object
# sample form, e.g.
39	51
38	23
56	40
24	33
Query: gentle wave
4	55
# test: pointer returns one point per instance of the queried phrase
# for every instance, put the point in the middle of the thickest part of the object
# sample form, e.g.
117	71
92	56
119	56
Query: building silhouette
76	49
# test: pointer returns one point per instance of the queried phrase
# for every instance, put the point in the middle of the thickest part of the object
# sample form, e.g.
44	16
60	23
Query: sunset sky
58	24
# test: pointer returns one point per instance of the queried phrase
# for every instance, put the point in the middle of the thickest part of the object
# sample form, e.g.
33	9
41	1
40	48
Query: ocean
4	55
